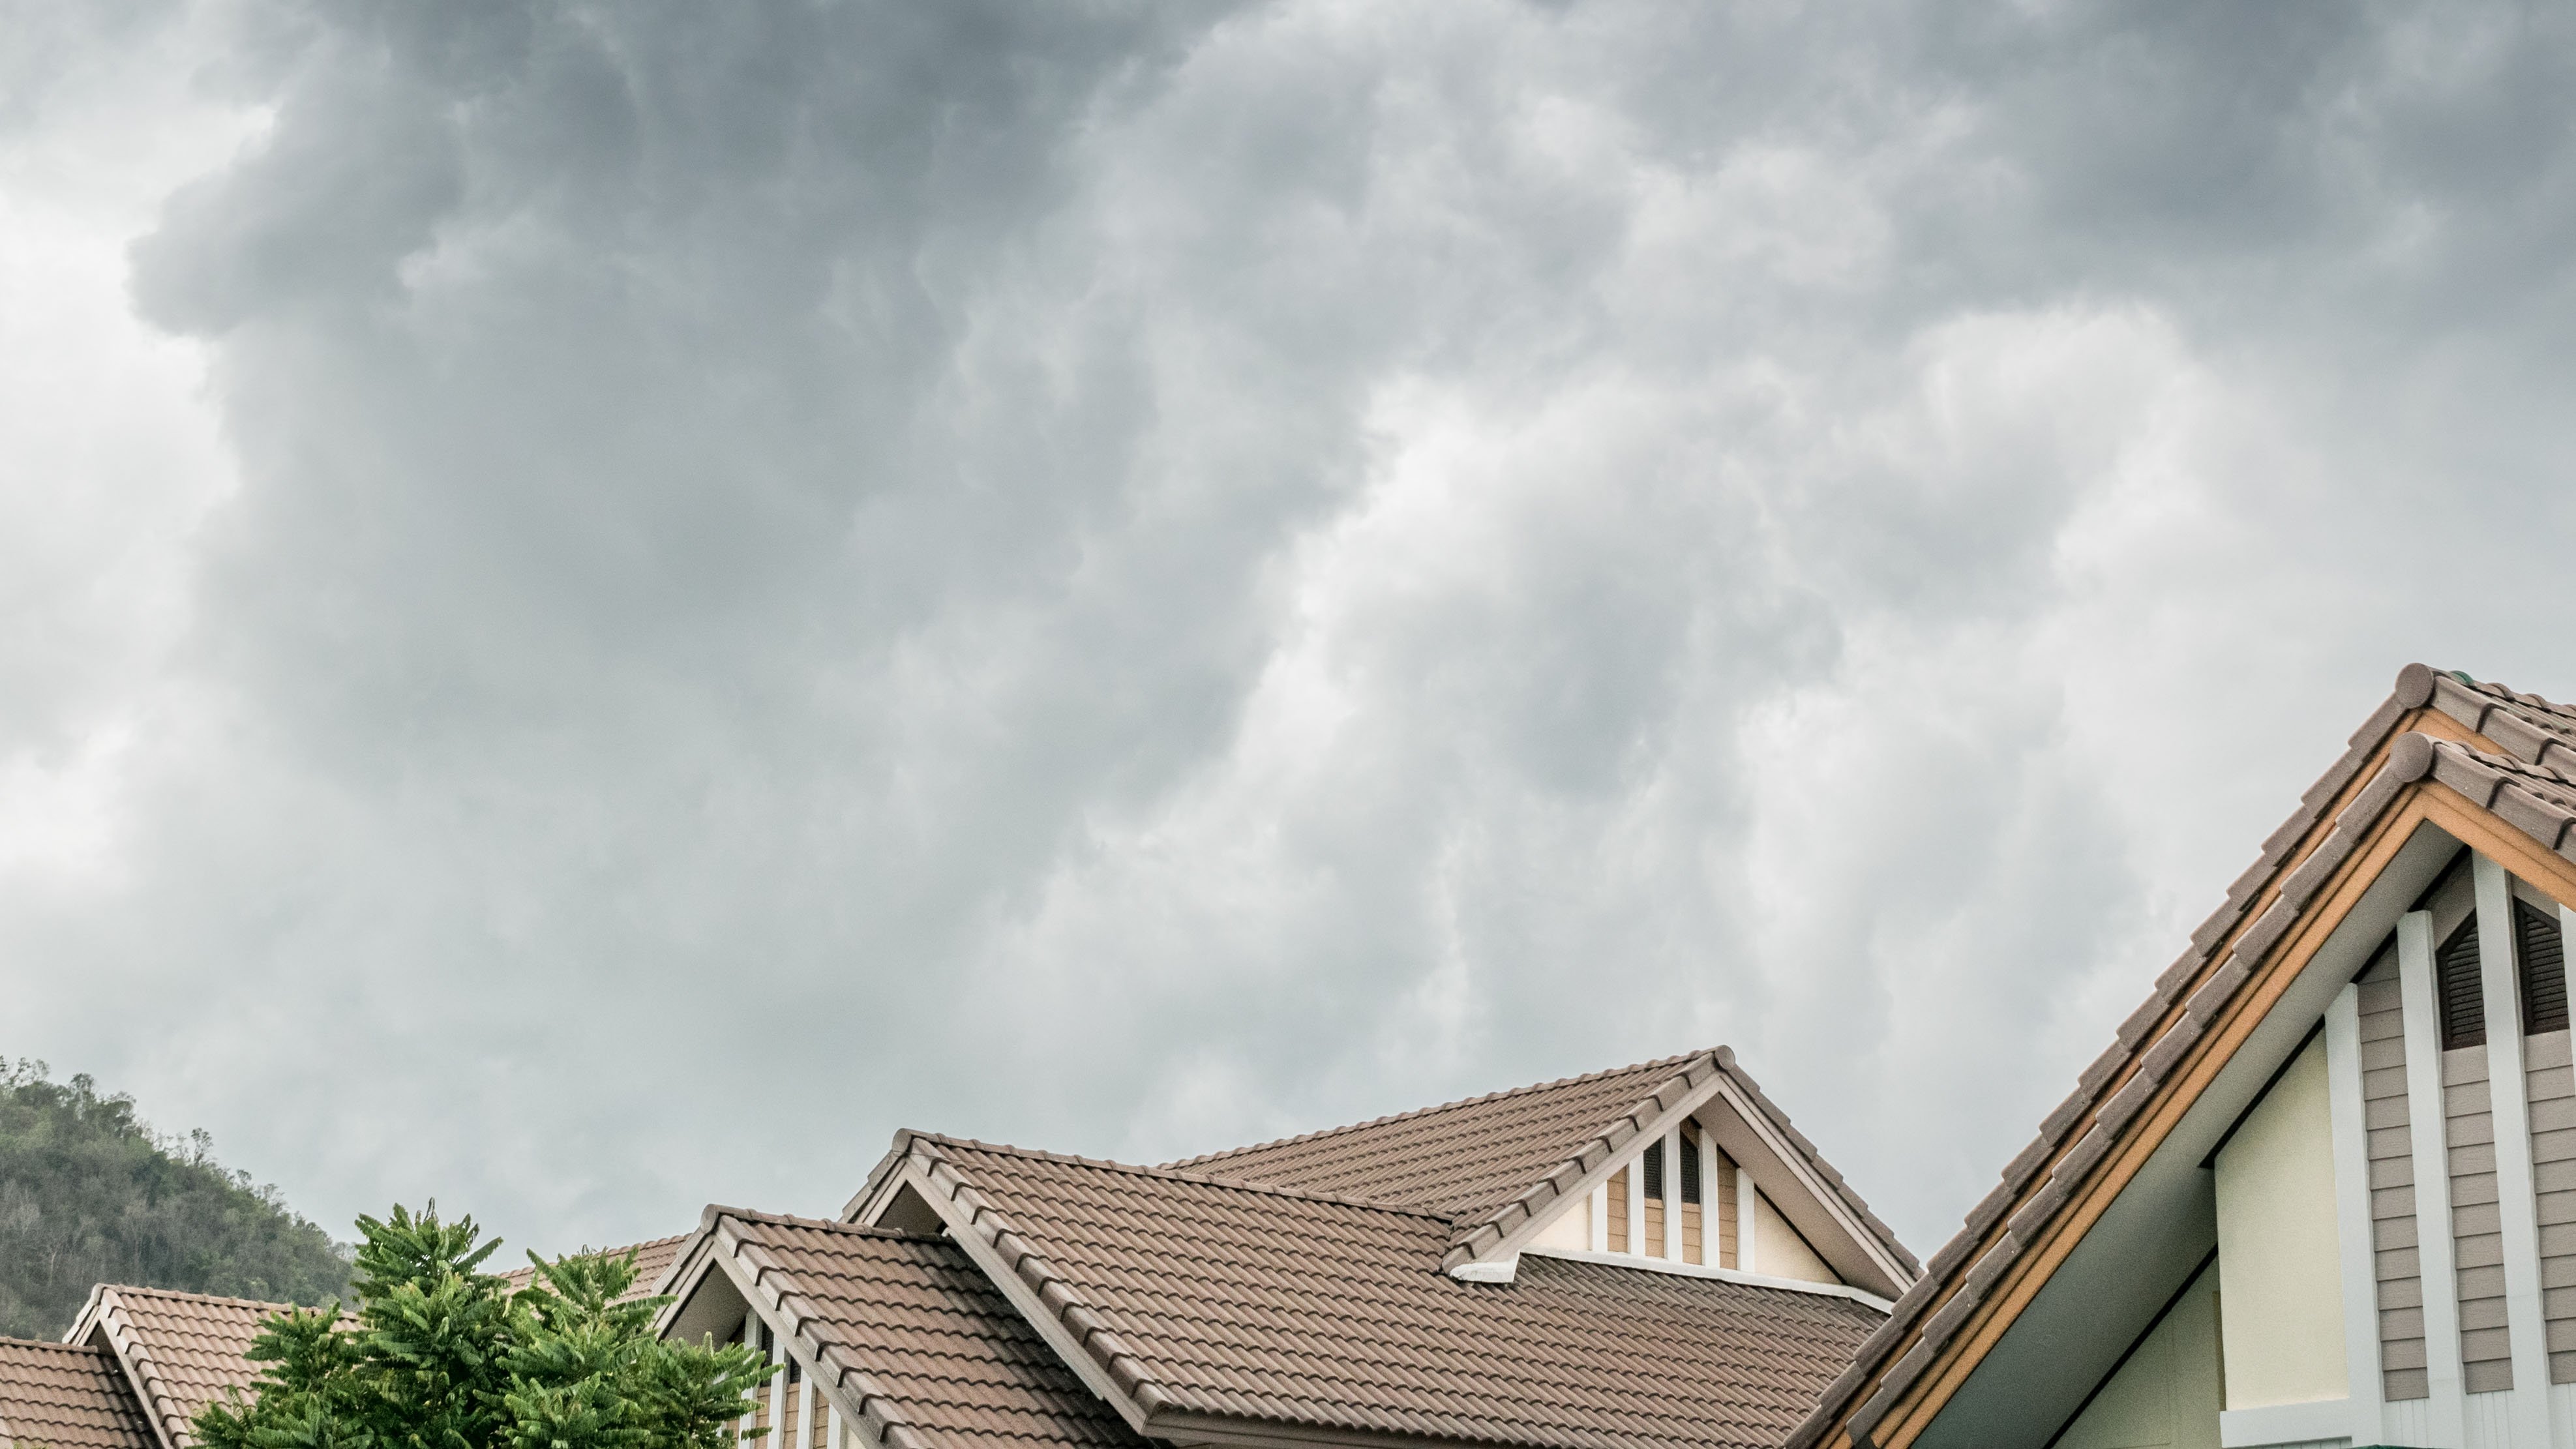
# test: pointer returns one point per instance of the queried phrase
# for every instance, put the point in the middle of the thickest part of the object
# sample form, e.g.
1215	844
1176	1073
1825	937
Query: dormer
1659	1166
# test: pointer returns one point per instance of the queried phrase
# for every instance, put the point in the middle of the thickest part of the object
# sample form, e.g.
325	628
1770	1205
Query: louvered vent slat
2464	1006
2542	957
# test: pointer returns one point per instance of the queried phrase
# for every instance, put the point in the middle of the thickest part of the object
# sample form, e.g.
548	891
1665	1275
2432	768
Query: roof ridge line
856	1230
1323	1132
1169	1174
132	1288
15	1342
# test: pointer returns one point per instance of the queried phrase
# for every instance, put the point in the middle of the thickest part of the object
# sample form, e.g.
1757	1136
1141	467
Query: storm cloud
607	603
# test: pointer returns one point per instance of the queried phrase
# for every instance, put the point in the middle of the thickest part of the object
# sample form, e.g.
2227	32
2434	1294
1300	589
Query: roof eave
2417	777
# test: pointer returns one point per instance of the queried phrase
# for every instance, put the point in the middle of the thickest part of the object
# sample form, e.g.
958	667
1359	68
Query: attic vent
1655	1171
2542	956
1690	1173
2464	1006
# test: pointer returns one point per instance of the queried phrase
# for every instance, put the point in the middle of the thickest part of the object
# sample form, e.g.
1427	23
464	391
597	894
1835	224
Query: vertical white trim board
2519	1212
2355	1254
2445	1411
1672	1245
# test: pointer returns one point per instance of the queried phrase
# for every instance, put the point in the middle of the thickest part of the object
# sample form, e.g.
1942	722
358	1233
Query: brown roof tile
67	1396
922	1343
2533	790
1203	1296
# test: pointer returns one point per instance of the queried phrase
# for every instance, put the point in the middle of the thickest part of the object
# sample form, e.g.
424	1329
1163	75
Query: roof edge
1681	1060
1049	1300
877	1412
2201	985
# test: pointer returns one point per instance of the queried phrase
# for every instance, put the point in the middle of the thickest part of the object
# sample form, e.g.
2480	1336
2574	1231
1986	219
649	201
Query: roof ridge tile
1418	1112
1175	1175
835	1225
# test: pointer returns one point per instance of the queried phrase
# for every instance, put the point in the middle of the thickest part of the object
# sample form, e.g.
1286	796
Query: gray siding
2477	1228
2392	1192
2553	1182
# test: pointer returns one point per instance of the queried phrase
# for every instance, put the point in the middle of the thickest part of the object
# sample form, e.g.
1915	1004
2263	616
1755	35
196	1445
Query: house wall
2553	1181
2166	1395
2281	1279
1778	1251
2477	1229
1570	1230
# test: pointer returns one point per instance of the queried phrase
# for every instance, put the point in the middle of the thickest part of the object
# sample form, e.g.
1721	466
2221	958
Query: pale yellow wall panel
1778	1251
1570	1230
2282	1299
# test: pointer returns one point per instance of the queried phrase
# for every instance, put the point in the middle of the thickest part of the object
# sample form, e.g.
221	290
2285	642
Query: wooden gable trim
2425	802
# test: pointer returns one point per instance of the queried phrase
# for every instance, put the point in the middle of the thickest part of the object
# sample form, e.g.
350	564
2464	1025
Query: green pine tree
441	1355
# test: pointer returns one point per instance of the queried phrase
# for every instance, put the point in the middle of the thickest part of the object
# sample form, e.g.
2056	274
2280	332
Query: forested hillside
89	1194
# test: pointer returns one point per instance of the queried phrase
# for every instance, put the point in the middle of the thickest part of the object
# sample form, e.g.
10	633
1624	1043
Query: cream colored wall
2166	1395
2282	1299
1570	1230
1778	1251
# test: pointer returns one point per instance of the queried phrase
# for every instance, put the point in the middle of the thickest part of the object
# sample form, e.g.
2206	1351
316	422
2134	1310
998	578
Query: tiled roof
182	1349
1493	1162
1455	1158
1201	1297
2532	787
927	1350
652	1264
67	1396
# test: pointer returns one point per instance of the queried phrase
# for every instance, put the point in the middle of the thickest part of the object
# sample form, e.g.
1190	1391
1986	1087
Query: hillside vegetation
90	1194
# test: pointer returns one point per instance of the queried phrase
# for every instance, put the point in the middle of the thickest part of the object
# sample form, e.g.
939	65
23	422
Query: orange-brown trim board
2420	803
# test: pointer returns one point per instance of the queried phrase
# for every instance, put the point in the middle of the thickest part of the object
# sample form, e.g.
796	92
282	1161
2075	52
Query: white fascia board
1777	1158
1729	1275
1653	1132
2356	1254
1815	1197
2321	1420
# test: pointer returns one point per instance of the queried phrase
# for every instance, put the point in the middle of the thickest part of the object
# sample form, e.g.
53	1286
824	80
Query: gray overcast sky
601	604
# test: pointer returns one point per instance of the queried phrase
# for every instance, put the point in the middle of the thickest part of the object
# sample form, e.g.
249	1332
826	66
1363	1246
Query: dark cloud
1135	579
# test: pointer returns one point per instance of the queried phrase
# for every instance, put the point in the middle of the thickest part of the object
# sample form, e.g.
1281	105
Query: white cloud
665	592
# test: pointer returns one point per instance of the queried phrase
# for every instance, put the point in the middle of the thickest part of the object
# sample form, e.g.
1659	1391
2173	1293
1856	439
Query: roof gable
181	1351
2480	763
1214	1310
1501	1166
906	1332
